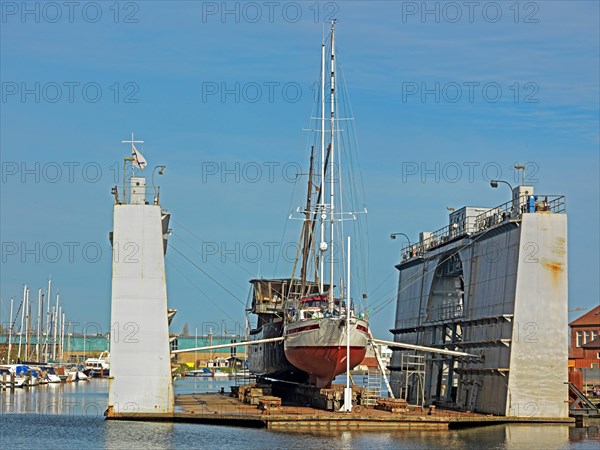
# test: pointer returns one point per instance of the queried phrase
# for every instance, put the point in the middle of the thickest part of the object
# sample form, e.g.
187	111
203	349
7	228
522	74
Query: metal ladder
373	386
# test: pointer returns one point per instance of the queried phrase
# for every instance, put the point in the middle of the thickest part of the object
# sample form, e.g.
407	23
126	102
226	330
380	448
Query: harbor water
70	415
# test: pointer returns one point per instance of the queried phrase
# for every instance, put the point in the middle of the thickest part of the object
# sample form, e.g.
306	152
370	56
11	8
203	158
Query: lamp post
393	237
161	171
494	184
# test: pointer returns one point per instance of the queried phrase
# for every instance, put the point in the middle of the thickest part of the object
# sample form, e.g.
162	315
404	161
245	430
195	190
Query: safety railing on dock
511	210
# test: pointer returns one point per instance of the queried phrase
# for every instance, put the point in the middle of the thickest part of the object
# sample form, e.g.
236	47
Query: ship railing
511	210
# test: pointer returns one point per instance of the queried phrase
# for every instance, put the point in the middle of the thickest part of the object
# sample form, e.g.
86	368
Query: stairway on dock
580	405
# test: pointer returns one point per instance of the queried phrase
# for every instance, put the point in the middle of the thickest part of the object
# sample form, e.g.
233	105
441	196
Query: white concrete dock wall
539	351
140	355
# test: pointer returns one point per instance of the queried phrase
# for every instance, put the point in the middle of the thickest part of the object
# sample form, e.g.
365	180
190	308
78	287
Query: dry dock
223	409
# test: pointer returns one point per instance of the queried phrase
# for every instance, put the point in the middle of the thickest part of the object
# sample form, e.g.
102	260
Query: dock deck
222	409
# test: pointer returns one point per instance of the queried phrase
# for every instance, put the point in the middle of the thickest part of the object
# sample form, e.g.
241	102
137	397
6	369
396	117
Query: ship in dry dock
319	326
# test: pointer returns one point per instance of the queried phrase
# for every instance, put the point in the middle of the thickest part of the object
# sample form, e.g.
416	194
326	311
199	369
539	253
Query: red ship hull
324	363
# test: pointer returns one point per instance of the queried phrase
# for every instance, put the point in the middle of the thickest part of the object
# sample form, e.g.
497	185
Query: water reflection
70	399
70	415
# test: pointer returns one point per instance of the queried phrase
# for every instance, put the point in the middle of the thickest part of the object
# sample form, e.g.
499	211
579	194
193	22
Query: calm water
71	416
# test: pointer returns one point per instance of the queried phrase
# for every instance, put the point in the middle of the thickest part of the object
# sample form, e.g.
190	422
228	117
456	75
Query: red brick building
585	340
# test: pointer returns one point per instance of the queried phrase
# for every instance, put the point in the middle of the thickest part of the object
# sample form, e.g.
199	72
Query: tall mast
22	321
49	300
322	245
62	337
307	225
10	329
39	325
331	170
55	327
27	325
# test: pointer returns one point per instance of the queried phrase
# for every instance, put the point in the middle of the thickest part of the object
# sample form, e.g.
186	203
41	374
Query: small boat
24	376
9	370
49	374
243	374
62	373
204	372
220	374
98	367
76	373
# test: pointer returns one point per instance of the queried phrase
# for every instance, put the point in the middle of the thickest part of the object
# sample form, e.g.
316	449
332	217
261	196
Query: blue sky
155	76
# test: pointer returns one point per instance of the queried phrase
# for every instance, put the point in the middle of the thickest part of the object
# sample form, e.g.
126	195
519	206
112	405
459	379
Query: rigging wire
382	283
285	226
224	255
425	261
208	275
205	261
349	142
171	264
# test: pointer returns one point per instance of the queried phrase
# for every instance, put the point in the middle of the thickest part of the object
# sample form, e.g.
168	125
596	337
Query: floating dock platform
229	409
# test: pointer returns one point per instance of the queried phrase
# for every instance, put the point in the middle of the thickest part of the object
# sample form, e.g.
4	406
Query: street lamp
494	184
161	171
393	236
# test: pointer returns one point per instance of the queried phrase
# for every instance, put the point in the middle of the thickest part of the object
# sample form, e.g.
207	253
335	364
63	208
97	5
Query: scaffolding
412	378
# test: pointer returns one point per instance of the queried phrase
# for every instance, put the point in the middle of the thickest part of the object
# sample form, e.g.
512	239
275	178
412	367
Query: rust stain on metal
560	247
555	268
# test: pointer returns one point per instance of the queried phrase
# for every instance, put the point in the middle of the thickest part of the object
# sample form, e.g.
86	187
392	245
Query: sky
445	96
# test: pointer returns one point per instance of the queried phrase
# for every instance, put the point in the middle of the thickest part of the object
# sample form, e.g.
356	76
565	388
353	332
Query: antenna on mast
133	149
131	158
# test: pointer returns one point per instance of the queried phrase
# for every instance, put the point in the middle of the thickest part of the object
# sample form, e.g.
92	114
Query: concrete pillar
140	356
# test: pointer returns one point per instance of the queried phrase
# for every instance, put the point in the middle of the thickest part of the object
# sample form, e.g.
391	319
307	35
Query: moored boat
22	375
98	367
49	373
204	372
